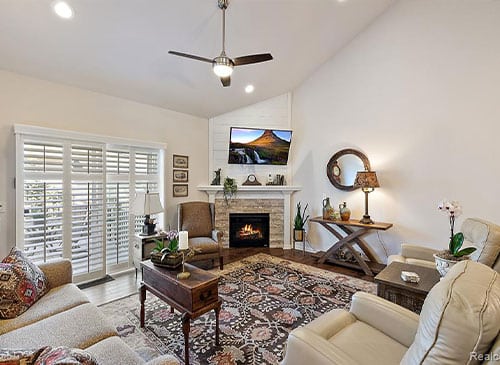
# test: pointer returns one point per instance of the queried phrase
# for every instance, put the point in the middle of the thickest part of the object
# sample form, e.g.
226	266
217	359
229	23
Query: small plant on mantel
229	189
446	258
299	222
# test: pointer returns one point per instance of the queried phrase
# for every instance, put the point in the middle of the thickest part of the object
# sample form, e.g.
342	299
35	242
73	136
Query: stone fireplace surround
274	200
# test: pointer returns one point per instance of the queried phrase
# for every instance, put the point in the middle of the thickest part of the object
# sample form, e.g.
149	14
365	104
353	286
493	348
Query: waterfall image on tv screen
259	146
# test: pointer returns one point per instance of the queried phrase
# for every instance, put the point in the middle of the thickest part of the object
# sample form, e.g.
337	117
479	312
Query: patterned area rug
265	297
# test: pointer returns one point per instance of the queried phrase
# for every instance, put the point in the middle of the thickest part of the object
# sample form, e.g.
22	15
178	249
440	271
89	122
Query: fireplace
249	230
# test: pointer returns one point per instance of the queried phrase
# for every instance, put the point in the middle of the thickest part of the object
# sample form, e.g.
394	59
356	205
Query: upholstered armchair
459	323
483	235
198	218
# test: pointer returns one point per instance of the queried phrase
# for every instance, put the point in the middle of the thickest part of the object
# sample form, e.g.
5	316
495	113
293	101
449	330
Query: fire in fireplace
249	230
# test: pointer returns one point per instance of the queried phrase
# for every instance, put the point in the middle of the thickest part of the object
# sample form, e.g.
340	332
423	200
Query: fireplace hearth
249	230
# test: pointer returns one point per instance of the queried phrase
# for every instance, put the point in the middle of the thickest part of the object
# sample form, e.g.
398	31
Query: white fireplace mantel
261	192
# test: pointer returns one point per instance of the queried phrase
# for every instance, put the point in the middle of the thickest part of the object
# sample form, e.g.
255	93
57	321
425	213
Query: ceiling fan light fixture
223	66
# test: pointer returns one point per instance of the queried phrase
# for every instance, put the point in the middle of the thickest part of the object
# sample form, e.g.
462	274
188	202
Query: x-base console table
349	233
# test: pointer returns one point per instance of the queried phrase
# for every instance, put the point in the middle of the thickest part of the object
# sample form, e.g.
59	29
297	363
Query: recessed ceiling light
62	9
249	89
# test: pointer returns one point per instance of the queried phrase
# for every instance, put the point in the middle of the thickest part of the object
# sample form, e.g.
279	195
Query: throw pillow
22	283
16	256
17	357
65	356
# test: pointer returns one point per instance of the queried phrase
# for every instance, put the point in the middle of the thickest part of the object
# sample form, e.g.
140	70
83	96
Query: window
75	197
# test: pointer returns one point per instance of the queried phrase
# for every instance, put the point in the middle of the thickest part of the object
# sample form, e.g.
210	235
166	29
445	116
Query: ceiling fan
223	65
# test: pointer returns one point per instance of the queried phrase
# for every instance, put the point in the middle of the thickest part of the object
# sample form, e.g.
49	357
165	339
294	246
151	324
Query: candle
183	240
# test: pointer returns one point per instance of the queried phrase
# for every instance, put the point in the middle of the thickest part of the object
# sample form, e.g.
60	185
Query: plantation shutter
43	200
87	227
118	203
87	208
146	174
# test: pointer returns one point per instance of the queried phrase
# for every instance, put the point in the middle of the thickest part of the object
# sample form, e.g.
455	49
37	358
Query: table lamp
183	247
367	181
147	204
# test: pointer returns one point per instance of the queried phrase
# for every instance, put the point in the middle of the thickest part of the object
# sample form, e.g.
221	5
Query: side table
143	245
192	297
390	286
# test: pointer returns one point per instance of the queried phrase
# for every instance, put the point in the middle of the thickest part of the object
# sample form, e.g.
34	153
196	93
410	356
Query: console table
350	233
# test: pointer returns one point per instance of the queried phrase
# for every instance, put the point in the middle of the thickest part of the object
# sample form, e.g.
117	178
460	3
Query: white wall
31	101
269	114
418	92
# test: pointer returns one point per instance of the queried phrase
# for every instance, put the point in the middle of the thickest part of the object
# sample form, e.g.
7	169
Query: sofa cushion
81	326
63	355
197	219
204	244
411	261
371	341
466	301
483	235
55	301
16	256
113	350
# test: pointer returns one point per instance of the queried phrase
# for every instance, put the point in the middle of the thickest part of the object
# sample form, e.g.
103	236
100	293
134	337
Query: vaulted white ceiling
119	47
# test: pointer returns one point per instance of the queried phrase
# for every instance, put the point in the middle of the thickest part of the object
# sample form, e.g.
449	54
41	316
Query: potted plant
166	252
447	258
229	189
299	222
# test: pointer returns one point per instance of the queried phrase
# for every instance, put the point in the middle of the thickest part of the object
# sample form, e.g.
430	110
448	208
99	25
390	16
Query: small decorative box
410	276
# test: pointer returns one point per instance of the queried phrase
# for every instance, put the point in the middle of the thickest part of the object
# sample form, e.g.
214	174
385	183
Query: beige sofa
459	324
65	317
483	235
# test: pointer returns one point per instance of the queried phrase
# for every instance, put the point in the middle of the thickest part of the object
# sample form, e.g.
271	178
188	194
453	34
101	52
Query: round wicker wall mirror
343	166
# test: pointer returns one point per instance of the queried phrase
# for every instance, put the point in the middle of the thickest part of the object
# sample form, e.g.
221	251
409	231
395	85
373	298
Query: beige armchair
198	218
483	235
460	321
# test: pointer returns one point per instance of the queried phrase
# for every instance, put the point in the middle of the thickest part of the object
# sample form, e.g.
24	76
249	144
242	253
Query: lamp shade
147	204
366	180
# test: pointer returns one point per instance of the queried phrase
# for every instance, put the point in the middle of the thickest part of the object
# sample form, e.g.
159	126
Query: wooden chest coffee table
390	286
192	297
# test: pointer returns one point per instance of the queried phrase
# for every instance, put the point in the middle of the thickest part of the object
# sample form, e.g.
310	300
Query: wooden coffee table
390	286
192	297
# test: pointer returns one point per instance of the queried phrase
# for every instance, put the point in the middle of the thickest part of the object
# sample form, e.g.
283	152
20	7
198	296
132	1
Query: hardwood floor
126	283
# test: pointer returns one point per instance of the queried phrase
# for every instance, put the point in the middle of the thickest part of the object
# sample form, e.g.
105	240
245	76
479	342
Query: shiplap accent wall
273	113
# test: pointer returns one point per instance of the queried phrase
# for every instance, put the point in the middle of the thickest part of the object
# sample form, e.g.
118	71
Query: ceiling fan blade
191	56
254	58
226	81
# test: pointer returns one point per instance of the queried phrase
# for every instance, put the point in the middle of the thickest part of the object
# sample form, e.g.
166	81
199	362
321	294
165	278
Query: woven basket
171	261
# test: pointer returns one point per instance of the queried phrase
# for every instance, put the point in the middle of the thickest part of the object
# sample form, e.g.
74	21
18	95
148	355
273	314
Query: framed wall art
179	190
180	162
180	176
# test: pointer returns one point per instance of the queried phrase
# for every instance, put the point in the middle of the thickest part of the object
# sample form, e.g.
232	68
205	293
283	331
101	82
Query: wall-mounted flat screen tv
259	146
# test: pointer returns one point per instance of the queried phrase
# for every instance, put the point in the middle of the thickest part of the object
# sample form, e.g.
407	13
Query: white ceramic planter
443	265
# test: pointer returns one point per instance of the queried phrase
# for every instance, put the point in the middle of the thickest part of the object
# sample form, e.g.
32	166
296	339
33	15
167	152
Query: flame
248	230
